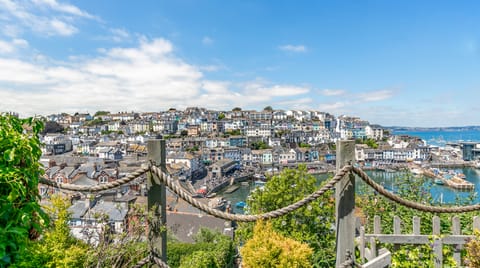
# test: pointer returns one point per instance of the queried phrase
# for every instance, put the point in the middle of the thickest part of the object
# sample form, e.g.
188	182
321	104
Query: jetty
451	180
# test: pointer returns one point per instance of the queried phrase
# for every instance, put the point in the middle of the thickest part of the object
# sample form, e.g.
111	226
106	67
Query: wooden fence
436	239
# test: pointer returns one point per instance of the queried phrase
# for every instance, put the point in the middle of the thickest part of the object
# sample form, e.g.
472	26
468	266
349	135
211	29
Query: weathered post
345	203
157	199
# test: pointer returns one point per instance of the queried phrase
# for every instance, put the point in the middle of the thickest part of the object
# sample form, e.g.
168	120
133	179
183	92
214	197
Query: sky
393	63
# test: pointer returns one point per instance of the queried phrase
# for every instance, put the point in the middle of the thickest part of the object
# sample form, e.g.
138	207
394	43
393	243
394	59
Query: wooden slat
383	260
476	223
416	225
377	225
417	239
373	247
362	244
456	230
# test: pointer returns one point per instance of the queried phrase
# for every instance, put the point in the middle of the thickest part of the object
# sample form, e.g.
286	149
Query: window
103	179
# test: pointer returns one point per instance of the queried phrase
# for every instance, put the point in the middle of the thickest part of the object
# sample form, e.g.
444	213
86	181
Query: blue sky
410	63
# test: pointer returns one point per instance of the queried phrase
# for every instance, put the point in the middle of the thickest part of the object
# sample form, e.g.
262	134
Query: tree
221	116
311	224
268	108
268	248
184	133
236	109
21	217
99	113
52	127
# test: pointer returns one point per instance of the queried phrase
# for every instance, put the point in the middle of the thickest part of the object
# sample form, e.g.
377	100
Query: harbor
441	193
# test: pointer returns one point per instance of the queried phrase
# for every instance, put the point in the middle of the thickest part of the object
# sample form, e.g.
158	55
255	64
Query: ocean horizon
442	137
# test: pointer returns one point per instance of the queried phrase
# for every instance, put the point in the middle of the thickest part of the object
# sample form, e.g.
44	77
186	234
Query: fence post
157	200
345	203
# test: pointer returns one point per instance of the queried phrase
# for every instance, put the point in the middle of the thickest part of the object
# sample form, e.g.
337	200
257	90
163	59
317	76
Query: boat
244	183
259	183
439	181
217	203
212	195
240	204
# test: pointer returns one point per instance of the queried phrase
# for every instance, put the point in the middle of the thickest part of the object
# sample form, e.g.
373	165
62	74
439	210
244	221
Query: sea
440	193
442	137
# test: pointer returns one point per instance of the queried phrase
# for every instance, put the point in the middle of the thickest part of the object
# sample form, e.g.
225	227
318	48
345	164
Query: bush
270	249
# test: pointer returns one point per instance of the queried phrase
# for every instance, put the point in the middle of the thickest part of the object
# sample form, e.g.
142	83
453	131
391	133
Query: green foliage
370	142
304	145
57	247
94	122
268	108
215	249
52	127
184	133
267	248
259	145
234	132
236	109
199	259
311	224
99	113
21	217
192	149
473	251
221	116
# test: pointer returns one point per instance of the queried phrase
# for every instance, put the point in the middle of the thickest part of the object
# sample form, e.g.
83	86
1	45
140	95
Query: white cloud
263	88
293	48
207	40
12	46
378	95
65	8
146	77
332	92
47	17
335	107
119	35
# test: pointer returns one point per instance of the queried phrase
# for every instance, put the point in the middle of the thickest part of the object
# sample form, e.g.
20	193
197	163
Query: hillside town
206	151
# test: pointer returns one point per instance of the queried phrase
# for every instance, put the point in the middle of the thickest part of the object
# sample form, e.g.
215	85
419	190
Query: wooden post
345	203
157	199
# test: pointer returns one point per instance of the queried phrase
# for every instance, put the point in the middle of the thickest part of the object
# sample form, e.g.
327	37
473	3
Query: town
210	150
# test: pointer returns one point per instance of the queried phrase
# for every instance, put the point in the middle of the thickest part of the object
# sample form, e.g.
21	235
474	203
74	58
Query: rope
164	178
159	262
97	188
142	262
408	203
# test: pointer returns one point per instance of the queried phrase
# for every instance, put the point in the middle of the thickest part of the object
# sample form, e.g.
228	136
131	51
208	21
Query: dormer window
103	179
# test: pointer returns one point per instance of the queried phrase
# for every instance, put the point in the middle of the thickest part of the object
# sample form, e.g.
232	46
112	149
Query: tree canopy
311	224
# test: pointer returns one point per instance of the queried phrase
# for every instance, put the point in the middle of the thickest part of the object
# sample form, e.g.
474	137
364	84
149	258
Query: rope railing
164	178
177	189
411	204
97	188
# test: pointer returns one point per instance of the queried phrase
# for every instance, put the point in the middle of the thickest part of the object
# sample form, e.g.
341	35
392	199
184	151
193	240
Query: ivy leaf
8	155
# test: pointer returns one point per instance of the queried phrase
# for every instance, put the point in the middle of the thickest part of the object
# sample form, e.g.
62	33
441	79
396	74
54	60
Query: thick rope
159	262
164	178
96	188
142	262
408	203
